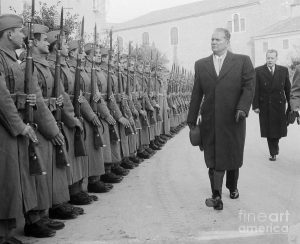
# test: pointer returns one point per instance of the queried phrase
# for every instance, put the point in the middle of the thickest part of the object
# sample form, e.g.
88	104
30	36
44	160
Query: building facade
184	32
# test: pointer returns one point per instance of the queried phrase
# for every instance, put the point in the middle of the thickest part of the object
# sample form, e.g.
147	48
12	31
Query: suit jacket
272	92
222	138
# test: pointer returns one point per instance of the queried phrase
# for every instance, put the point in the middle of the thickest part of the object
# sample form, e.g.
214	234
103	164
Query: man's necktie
271	70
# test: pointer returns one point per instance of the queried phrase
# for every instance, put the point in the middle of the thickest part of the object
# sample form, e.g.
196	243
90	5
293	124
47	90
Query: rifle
36	166
112	128
144	119
61	154
124	105
79	145
151	113
136	118
158	117
98	141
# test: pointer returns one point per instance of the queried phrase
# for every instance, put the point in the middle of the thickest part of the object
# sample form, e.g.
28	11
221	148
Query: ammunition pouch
113	133
50	103
19	100
98	141
79	145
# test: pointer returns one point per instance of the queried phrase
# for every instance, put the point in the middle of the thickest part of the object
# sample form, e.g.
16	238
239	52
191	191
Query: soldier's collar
12	54
41	60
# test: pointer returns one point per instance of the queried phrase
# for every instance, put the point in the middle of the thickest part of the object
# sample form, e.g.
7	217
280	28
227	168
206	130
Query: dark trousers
216	180
273	144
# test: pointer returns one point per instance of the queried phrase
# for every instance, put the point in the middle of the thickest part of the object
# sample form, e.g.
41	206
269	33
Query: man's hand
59	101
256	110
29	133
96	122
97	97
78	124
110	119
143	113
31	99
240	115
58	140
124	122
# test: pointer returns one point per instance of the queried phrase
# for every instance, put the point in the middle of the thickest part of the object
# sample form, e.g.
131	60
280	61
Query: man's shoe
128	161
119	170
153	146
10	240
234	194
99	187
272	158
111	178
62	212
143	155
52	224
215	202
135	160
77	210
79	199
127	165
38	230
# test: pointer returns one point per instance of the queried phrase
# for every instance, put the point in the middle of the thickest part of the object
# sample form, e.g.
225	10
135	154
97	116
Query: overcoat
272	93
295	90
18	189
222	137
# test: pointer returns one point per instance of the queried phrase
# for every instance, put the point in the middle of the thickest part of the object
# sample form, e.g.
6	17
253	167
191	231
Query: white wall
276	42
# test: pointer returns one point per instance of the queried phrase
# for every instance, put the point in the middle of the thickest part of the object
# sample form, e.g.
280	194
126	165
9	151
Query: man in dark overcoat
225	82
272	94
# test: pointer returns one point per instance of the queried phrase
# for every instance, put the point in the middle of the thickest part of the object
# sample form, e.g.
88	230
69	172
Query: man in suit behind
225	81
272	93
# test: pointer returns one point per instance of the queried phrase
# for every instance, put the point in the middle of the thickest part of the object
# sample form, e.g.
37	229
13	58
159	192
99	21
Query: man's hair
272	51
226	33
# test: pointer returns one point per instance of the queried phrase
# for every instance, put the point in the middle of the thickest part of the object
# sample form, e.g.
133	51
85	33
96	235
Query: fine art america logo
268	223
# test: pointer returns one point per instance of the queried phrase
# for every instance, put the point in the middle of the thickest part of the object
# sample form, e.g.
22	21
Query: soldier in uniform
112	174
54	193
120	150
95	167
22	190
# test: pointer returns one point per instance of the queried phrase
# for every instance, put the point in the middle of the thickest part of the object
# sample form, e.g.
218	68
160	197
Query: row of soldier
86	114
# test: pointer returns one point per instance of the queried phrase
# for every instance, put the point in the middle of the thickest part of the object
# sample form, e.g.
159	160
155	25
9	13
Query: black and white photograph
149	121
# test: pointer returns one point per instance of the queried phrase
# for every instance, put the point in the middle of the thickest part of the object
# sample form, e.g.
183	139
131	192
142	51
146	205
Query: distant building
184	32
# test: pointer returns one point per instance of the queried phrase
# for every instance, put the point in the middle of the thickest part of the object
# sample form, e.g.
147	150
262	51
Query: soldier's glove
239	116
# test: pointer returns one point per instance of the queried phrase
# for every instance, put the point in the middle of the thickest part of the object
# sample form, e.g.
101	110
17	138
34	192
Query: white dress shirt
218	62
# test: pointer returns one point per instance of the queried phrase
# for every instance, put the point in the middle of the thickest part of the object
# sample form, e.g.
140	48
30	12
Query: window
285	44
243	26
174	36
145	38
236	23
265	46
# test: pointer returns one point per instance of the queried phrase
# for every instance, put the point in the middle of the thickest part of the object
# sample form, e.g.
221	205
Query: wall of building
285	51
194	34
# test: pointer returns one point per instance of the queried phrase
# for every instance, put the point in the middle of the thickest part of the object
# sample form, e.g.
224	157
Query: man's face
16	37
97	55
131	66
64	48
219	44
105	58
271	59
42	45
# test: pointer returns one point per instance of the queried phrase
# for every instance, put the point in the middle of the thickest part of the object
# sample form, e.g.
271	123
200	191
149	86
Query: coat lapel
228	63
209	65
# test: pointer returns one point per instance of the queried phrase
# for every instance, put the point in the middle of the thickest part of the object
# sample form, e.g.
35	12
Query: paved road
162	201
